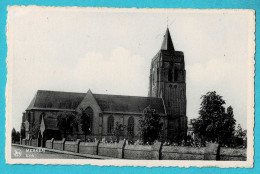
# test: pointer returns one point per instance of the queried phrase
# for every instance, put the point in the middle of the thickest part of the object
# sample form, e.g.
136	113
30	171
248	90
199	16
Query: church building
168	81
167	95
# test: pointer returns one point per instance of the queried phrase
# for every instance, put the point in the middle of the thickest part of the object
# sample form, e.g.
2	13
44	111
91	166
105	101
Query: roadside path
22	151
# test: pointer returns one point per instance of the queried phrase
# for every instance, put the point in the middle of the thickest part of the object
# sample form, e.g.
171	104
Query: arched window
89	114
110	124
131	126
170	75
176	74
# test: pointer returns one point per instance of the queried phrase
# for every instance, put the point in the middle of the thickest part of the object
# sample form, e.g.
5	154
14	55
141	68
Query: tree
240	136
239	131
150	126
214	124
15	136
66	123
119	130
35	131
229	123
85	121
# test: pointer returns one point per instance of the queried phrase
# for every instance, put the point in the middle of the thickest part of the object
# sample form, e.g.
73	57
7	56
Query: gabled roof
128	104
167	42
56	100
69	101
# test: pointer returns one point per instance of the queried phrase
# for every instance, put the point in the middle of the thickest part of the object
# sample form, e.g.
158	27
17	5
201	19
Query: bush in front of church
67	123
150	126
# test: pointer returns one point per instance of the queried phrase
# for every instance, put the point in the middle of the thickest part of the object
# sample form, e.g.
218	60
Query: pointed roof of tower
167	41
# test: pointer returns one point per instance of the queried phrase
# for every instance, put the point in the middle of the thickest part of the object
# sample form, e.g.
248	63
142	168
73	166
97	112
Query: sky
109	51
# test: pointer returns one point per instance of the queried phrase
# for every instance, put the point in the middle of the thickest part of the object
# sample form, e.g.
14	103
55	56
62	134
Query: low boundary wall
145	152
89	147
30	142
58	145
231	154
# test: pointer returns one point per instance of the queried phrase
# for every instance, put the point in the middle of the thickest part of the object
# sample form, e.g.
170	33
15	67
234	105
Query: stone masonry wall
148	152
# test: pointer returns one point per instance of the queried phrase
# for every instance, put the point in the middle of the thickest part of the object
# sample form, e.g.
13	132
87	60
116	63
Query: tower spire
167	41
167	21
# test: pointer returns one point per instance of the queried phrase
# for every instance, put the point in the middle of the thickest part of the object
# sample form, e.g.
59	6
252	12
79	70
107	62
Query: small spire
167	21
167	41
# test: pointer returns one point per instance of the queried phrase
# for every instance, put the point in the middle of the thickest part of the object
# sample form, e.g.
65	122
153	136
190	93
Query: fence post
96	147
52	140
157	150
63	144
77	146
122	148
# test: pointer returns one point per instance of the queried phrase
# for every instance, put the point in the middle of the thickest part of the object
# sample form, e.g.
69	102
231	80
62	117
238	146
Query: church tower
168	81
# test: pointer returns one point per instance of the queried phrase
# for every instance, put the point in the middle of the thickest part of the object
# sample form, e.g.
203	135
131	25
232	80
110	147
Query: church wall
123	119
46	114
89	101
37	118
117	118
175	99
34	118
36	121
136	123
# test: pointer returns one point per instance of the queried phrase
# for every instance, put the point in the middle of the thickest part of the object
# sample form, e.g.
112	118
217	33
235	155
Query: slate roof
128	104
167	51
167	42
56	100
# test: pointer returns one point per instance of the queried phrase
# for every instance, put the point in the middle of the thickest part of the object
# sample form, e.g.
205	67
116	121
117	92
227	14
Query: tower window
170	75
175	74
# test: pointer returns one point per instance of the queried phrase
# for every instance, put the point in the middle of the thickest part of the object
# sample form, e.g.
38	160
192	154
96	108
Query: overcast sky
76	49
